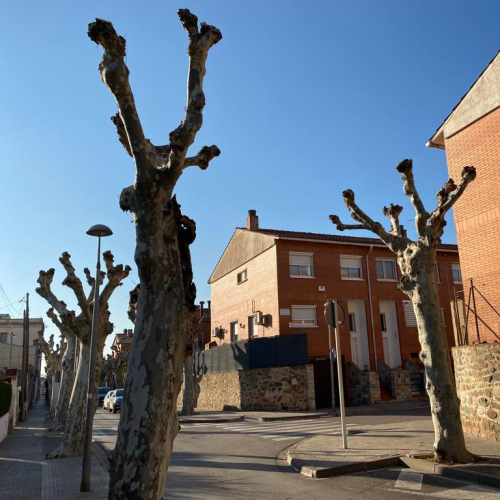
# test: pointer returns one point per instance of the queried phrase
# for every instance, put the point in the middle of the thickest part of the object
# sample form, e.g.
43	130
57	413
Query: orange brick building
470	135
271	282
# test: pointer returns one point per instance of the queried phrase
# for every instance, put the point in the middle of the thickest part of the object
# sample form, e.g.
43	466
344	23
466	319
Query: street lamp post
100	231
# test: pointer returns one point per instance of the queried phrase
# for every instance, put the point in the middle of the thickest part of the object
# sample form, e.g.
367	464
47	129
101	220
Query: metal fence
266	352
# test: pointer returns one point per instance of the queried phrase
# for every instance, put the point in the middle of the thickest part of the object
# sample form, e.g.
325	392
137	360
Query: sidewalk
373	447
26	475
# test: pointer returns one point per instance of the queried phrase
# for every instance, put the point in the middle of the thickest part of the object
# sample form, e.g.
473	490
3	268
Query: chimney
252	220
209	302
202	302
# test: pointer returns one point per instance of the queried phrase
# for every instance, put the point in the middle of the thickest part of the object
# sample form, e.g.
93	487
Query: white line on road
409	480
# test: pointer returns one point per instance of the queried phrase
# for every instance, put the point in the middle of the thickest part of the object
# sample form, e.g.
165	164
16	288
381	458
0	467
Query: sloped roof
333	238
481	108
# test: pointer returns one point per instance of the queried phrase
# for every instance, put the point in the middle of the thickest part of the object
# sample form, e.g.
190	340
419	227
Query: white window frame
293	324
395	269
437	273
237	328
242	276
357	257
308	254
460	282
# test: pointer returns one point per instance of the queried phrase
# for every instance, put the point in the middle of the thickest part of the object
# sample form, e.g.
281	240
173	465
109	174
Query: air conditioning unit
259	318
215	331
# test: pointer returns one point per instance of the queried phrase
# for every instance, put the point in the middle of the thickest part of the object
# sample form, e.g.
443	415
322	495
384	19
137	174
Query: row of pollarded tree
72	357
165	300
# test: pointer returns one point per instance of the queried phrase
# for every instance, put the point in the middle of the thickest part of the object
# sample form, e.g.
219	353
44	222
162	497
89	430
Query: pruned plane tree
416	260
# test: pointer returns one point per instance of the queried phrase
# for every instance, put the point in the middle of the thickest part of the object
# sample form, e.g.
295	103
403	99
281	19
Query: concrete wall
477	373
477	218
4	426
262	389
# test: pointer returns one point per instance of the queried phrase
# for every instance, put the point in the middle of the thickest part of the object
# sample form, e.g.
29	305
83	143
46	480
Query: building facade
271	282
470	135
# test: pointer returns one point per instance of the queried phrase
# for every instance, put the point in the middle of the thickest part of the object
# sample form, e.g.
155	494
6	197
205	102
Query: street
240	460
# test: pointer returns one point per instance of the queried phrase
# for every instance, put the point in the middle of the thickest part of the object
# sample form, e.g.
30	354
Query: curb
211	420
296	417
301	466
452	471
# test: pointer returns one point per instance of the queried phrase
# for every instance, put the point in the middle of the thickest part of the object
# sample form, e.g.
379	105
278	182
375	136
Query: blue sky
304	99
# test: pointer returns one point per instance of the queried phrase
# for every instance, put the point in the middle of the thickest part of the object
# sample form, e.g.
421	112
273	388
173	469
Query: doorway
358	334
390	333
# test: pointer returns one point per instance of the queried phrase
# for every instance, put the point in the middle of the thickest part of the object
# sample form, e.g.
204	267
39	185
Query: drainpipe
371	307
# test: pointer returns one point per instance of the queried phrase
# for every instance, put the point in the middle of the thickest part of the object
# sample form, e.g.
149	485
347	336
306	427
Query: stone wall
364	387
262	389
477	373
398	381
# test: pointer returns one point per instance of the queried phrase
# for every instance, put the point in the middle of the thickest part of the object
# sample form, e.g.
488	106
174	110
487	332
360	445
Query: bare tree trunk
449	444
67	381
152	390
188	394
416	260
72	443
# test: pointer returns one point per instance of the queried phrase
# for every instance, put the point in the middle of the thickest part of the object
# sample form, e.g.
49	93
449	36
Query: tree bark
67	381
148	420
188	394
416	260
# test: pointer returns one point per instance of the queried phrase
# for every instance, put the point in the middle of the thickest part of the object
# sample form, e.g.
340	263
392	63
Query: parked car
107	399
115	400
101	393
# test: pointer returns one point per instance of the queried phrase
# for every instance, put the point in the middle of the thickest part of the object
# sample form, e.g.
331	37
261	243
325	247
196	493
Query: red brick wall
477	217
232	301
297	291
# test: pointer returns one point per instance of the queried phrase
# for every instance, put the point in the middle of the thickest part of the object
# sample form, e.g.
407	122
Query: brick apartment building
122	341
271	282
470	135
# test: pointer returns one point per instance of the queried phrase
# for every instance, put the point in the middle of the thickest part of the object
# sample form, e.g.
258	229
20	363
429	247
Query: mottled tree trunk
449	443
188	392
148	421
72	443
67	381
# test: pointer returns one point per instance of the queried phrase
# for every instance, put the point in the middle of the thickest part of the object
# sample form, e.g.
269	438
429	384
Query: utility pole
24	370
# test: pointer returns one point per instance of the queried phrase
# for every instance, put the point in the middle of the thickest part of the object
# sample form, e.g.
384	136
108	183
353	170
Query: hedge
5	398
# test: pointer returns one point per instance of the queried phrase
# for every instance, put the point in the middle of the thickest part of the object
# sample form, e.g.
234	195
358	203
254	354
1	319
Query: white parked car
105	404
115	400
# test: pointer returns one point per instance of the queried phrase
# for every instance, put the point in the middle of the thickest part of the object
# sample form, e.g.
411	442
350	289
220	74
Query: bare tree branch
393	212
405	168
116	274
132	304
73	281
342	227
115	75
394	242
50	355
200	42
44	290
203	158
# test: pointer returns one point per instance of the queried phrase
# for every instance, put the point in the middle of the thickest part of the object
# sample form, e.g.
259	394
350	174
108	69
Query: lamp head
99	230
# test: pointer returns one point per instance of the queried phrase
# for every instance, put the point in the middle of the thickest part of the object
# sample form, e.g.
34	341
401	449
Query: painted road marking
409	480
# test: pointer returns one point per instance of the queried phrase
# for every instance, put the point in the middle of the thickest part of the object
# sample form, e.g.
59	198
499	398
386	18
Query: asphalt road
239	461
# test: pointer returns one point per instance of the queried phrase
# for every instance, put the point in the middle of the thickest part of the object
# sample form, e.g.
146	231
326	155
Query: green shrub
5	398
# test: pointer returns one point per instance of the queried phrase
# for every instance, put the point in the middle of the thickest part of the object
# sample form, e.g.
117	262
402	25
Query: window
3	337
301	265
383	322
386	270
234	331
251	326
436	271
352	322
457	273
241	277
410	318
350	268
304	316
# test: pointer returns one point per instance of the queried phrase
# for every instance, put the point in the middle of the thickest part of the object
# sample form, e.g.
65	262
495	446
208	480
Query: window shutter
300	260
350	262
410	318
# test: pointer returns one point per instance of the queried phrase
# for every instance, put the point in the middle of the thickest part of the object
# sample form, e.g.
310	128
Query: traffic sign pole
339	372
332	377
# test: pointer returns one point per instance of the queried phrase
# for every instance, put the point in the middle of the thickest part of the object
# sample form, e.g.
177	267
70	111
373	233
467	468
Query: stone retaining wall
364	387
262	389
477	373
